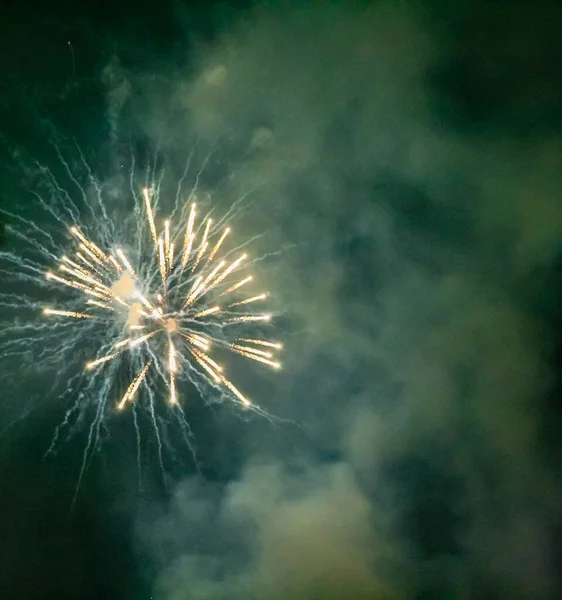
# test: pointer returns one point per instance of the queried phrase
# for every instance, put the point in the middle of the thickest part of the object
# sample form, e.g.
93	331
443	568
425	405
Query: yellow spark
124	260
248	300
150	215
132	389
101	360
137	327
208	311
66	313
122	343
189	237
236	285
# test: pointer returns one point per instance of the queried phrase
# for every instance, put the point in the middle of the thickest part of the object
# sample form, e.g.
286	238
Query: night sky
404	165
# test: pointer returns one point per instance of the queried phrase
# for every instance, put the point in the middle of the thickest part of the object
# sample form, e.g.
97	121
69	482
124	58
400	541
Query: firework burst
171	306
144	313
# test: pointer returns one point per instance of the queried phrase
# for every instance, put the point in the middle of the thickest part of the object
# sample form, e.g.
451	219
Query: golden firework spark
167	303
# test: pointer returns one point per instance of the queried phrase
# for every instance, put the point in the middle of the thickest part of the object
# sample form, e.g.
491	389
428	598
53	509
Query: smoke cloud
416	247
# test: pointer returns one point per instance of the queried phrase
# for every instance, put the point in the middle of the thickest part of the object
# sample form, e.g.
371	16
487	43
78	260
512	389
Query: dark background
493	84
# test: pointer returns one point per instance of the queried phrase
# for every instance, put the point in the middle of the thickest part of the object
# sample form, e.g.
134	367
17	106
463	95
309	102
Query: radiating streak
248	300
262	343
138	341
132	389
89	264
137	327
173	394
144	301
207	311
73	284
189	237
125	262
235	391
204	244
66	313
200	337
79	268
201	252
218	245
91	254
120	300
100	295
253	350
80	275
200	291
114	262
171	257
236	286
253	356
248	318
150	216
211	362
101	360
172	358
204	365
227	272
194	288
100	304
162	260
93	248
167	239
196	341
122	343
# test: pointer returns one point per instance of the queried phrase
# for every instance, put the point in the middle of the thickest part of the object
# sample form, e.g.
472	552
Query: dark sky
408	161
